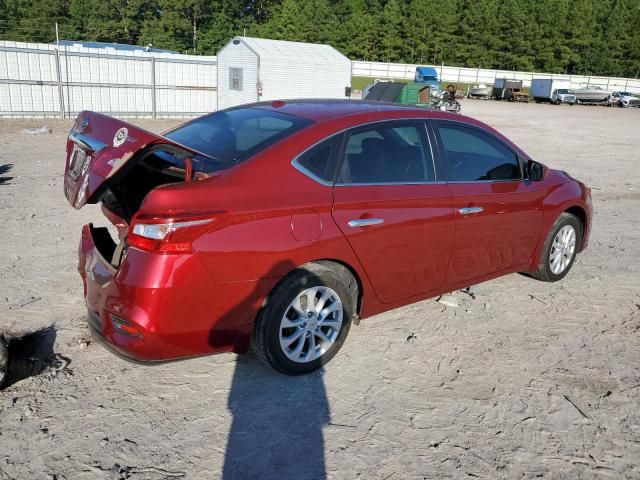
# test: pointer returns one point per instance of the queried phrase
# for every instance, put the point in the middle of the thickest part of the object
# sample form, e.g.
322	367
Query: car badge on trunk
120	137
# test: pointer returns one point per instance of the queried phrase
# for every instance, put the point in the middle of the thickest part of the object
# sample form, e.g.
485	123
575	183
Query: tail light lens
170	233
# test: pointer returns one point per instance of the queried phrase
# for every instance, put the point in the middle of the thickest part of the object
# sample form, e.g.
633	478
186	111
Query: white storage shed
259	69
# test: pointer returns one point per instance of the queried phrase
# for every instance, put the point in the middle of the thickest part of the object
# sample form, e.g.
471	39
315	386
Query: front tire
560	249
306	319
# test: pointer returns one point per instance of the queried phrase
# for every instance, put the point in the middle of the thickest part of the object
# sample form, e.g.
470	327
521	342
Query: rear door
498	212
393	210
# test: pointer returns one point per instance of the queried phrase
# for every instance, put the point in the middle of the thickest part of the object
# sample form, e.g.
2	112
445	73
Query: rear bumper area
157	307
95	325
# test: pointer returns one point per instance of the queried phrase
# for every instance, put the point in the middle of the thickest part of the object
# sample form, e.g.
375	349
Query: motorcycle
444	101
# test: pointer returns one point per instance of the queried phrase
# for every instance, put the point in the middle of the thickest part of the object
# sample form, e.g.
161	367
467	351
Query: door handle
470	210
365	222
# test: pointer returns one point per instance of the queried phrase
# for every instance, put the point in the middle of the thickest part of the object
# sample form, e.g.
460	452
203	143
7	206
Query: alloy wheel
311	324
562	249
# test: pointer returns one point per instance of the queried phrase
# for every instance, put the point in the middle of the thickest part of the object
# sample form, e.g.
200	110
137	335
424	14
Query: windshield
626	94
564	90
232	136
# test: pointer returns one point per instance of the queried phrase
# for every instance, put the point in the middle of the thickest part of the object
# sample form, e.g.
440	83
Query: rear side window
317	161
387	154
474	155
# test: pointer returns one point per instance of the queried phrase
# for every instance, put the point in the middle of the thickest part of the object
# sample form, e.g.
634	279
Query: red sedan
277	225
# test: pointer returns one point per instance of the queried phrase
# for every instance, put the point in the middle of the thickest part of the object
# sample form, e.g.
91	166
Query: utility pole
57	36
194	33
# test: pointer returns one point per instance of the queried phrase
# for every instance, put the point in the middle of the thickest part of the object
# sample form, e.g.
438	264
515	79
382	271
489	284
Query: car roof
327	109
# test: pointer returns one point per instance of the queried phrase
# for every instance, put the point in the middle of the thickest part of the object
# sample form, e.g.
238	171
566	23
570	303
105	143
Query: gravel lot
525	380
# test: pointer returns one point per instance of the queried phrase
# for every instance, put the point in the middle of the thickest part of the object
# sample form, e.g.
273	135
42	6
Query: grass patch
359	83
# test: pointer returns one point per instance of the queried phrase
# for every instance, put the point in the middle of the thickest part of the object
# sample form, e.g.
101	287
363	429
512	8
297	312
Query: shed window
235	79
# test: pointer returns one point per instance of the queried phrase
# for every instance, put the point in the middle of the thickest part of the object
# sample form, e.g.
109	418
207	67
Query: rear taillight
170	233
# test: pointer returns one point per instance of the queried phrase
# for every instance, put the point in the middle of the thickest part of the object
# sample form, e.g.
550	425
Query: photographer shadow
277	424
276	431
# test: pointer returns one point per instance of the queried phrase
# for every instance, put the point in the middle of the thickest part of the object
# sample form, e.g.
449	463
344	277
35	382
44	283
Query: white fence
42	80
481	75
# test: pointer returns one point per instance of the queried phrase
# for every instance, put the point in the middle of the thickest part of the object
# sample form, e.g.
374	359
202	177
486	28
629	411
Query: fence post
626	84
153	87
59	78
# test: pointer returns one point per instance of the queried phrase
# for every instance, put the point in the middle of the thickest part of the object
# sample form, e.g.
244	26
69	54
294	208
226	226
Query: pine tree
391	39
598	37
477	34
287	23
360	32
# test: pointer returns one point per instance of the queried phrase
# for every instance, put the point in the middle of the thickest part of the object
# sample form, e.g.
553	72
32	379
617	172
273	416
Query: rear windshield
232	136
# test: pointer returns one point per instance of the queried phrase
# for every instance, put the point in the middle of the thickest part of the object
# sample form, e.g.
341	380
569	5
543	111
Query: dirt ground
525	380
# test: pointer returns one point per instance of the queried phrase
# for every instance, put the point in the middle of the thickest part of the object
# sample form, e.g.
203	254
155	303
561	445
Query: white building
258	69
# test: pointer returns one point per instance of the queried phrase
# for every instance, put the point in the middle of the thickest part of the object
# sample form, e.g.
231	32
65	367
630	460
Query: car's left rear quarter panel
279	219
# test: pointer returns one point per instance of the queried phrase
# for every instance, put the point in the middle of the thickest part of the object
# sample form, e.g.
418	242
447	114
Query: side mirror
535	171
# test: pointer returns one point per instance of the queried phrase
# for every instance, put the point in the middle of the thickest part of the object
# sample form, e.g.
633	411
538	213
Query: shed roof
296	51
115	46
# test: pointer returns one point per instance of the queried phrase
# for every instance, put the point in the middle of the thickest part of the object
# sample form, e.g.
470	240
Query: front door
498	212
397	218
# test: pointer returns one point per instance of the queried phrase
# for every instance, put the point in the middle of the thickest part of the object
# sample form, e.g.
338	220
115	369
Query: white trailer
259	69
546	90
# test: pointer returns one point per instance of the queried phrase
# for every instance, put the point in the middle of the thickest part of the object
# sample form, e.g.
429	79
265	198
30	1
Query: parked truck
503	88
427	76
553	91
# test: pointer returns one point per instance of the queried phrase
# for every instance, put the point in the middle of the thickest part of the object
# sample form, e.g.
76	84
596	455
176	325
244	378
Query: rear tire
306	319
560	249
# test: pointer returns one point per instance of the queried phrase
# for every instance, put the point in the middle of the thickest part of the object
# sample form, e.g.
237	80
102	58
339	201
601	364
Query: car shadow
5	168
277	420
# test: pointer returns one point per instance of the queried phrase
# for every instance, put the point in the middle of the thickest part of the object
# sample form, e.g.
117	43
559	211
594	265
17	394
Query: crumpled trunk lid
98	148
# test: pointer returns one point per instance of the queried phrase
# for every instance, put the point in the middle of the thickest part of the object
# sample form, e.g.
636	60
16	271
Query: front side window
473	155
235	79
387	154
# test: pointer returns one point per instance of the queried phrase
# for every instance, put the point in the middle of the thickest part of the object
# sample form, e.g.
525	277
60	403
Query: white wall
487	76
103	79
305	79
237	56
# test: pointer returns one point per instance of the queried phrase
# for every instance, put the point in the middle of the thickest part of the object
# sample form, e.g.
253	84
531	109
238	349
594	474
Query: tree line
596	37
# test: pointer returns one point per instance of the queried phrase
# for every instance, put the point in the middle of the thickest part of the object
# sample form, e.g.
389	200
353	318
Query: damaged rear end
166	285
130	301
